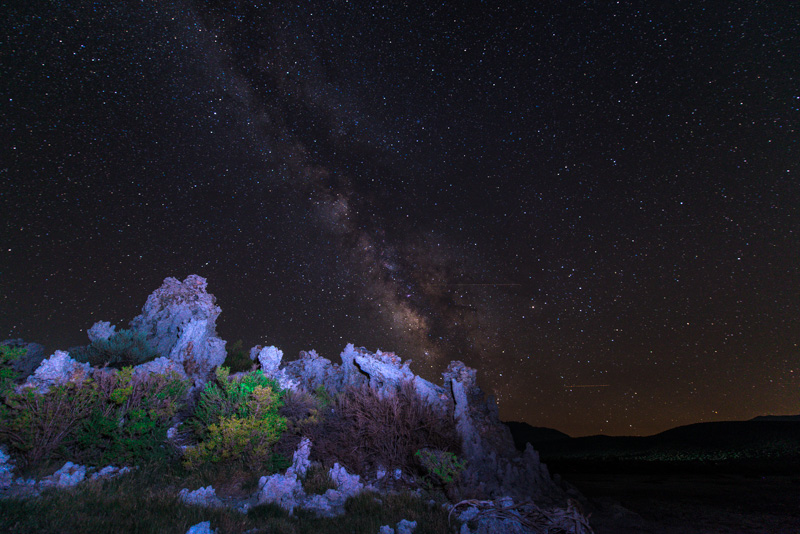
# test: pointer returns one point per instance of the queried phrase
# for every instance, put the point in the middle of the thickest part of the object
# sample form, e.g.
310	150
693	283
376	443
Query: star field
596	204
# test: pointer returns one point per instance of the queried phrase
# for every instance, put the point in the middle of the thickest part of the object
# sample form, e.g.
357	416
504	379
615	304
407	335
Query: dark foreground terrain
686	503
730	477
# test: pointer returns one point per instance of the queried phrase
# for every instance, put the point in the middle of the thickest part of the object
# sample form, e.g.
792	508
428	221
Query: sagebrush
366	430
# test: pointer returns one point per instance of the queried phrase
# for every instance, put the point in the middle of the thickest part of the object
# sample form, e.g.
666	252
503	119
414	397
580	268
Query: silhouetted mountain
765	440
524	433
795	418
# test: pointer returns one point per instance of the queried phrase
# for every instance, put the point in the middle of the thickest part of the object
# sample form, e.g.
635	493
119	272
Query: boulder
6	470
28	362
57	369
269	360
101	331
179	320
201	528
66	477
284	490
109	471
205	497
346	484
404	526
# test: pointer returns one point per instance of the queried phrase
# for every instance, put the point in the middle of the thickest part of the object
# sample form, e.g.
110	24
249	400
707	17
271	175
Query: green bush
8	376
442	466
122	349
113	418
237	419
130	419
35	425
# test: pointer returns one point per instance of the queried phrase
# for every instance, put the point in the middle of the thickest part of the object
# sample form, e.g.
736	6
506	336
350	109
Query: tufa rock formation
494	466
179	322
57	369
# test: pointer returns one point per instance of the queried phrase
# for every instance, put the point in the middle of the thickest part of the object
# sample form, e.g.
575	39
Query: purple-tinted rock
311	371
100	331
494	466
179	320
268	358
205	497
57	369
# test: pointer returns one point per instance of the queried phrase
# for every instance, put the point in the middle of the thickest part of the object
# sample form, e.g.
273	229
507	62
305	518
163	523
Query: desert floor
685	503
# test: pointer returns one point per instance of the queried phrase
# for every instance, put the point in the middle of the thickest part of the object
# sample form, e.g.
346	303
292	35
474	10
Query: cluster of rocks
178	321
67	476
495	468
286	490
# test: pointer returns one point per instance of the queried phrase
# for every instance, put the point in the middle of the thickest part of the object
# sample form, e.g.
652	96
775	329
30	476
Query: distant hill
795	418
770	439
524	433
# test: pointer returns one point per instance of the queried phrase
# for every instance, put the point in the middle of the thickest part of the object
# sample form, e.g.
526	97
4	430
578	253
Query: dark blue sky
573	194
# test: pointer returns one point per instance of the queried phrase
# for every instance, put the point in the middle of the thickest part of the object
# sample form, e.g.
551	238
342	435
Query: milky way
595	204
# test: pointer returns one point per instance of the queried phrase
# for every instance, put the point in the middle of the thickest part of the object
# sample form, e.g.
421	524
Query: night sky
596	204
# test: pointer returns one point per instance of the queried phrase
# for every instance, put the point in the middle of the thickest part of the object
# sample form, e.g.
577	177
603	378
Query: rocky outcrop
404	526
311	371
101	331
25	365
386	372
57	369
201	528
504	515
494	467
67	476
205	497
269	360
286	490
179	322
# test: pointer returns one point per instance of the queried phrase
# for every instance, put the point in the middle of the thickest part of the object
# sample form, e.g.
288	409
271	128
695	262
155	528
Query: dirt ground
691	503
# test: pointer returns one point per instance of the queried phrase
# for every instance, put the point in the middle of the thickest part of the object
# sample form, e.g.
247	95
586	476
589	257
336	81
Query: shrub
9	376
323	396
130	419
318	480
237	358
366	430
123	348
443	467
302	411
237	419
35	425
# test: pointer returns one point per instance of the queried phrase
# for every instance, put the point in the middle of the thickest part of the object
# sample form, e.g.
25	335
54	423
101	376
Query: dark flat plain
737	477
686	503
